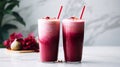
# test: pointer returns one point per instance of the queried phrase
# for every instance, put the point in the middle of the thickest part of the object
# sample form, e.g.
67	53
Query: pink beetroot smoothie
48	31
73	35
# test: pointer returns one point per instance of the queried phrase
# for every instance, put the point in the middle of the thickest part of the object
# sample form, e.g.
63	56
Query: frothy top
48	19
73	19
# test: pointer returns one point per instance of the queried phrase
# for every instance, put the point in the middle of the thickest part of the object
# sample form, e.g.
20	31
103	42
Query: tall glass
73	35
48	31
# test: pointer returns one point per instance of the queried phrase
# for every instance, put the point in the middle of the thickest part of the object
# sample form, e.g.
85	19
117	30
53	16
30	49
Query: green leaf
9	26
18	18
12	5
7	12
3	35
14	1
2	4
16	15
1	18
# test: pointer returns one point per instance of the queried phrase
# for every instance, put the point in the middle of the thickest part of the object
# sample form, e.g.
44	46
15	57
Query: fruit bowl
16	43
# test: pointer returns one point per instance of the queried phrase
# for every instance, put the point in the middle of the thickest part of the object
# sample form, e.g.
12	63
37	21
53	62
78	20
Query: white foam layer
47	26
47	20
73	20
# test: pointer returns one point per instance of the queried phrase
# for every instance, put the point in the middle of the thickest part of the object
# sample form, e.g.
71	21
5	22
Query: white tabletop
92	57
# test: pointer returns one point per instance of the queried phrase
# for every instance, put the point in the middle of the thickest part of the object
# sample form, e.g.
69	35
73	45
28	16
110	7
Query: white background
102	26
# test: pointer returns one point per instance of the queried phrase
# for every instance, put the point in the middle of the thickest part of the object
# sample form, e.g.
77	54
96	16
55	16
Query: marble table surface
92	57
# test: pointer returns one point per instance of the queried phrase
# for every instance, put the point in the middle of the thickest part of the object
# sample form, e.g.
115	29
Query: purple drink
73	35
48	30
